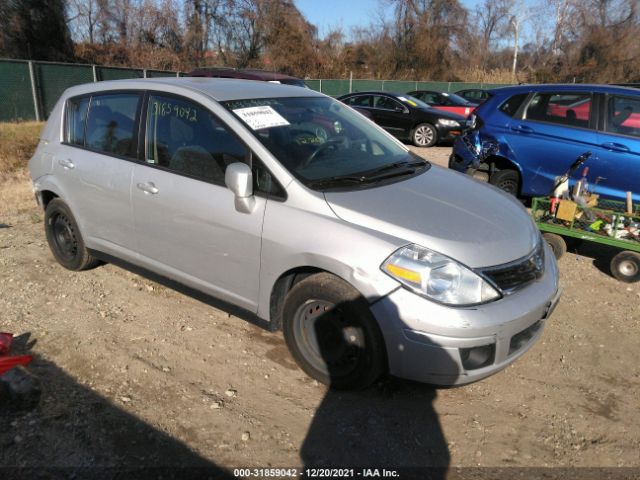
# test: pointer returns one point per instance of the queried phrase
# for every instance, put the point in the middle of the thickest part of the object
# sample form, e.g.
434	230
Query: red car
449	102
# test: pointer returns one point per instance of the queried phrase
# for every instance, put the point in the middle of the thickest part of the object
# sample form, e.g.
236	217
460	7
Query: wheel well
283	285
46	197
500	163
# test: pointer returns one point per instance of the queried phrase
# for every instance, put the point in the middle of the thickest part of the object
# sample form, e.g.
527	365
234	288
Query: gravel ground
137	375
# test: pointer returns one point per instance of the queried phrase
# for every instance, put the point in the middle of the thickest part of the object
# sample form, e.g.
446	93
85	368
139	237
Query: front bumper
448	134
427	342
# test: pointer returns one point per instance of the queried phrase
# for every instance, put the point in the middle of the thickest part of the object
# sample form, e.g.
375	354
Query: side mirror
239	179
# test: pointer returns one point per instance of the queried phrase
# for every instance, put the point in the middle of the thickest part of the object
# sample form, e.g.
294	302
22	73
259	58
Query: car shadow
73	432
392	425
600	254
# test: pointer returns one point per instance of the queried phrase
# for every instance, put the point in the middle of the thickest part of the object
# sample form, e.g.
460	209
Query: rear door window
186	138
511	106
566	108
359	101
623	115
111	123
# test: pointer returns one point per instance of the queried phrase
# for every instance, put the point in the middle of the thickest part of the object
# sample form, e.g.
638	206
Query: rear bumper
432	343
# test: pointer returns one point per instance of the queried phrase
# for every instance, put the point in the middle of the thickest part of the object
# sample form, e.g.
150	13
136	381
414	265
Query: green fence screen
51	79
16	99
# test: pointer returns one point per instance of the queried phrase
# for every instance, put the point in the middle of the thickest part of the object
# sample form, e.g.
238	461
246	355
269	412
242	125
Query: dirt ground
136	375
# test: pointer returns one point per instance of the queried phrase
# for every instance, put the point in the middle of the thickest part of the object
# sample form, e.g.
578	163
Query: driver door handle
615	146
522	129
148	188
66	164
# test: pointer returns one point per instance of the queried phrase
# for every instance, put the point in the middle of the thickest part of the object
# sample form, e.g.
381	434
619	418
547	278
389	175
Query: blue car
523	137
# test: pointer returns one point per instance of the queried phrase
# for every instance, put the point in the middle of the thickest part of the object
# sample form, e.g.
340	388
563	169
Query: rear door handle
615	146
66	163
522	129
148	188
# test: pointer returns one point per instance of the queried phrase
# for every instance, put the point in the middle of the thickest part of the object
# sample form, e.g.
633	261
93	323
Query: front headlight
448	123
437	277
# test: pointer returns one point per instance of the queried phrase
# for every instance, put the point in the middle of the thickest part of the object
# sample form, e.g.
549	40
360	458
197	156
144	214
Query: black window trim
142	146
605	114
98	93
593	112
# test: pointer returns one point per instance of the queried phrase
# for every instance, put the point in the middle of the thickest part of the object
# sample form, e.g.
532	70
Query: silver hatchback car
304	214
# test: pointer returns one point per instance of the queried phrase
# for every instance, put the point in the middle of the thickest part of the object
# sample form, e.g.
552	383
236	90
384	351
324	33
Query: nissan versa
306	215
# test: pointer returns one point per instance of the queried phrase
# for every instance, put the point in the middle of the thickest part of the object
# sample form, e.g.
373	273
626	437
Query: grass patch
18	141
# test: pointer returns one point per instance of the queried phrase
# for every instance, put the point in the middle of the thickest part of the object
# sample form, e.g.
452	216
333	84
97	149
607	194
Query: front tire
332	333
64	238
557	244
424	135
507	180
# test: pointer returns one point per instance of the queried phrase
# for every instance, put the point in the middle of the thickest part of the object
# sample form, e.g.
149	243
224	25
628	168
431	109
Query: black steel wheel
507	180
64	238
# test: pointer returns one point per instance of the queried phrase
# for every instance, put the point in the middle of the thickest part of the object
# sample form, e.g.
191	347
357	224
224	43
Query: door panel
619	153
549	139
99	183
190	230
396	122
187	227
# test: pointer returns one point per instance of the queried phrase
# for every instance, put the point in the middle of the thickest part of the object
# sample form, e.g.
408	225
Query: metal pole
383	85
320	85
178	74
95	73
350	81
144	73
34	94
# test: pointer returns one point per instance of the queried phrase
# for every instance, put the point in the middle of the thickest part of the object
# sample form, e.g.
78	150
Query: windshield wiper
394	169
336	181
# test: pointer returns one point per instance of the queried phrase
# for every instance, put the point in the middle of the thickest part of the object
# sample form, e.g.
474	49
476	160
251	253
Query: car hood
446	211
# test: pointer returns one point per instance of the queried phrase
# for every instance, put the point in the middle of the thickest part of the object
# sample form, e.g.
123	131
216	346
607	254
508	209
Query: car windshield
457	99
413	101
324	143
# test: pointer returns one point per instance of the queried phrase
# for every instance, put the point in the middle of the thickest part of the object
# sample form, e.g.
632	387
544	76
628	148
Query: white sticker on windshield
261	117
402	99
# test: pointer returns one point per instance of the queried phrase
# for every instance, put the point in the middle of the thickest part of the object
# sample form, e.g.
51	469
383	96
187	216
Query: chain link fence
29	90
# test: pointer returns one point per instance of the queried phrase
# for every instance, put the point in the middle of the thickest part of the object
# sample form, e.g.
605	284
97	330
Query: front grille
515	275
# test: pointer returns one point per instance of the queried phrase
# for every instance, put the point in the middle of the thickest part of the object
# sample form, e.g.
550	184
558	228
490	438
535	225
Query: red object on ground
5	342
7	363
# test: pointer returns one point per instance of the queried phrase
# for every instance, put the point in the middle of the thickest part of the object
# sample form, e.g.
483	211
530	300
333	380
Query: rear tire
424	135
64	238
507	180
332	333
625	266
557	244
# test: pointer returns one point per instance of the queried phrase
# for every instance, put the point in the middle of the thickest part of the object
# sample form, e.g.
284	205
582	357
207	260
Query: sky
329	14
